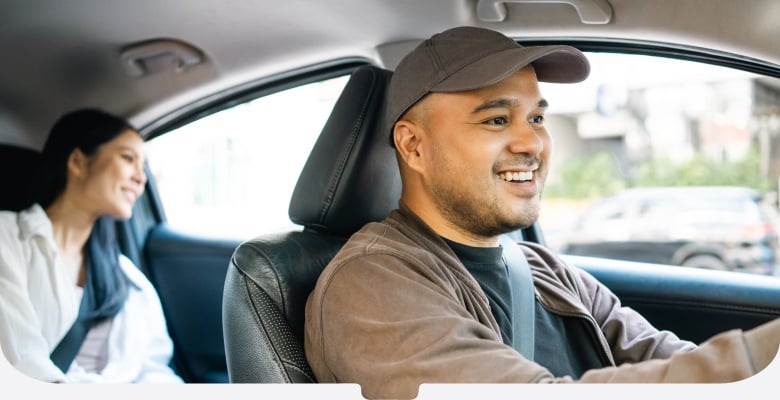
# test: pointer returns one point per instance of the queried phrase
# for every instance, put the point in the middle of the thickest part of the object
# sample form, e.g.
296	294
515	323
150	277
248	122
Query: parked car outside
718	227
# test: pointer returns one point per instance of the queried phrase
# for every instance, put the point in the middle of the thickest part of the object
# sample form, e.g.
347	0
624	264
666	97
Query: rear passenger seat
17	169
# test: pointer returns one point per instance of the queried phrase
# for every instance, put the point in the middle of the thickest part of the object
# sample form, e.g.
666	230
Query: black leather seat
17	170
350	179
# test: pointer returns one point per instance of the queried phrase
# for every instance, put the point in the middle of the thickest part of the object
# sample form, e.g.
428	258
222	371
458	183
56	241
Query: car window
231	174
700	134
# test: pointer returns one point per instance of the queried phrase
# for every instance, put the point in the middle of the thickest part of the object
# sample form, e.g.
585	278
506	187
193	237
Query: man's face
486	157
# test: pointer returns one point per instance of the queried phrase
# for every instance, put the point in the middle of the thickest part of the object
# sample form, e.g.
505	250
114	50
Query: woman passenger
60	264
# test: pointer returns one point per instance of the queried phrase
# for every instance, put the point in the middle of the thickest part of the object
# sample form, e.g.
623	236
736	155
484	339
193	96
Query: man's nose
526	139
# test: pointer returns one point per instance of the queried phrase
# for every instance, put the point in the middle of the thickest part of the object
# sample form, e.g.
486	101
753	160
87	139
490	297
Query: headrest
17	169
351	176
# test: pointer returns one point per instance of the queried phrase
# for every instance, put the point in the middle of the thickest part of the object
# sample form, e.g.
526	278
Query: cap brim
555	64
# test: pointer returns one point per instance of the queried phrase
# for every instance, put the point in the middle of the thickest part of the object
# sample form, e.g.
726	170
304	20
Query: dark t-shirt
562	343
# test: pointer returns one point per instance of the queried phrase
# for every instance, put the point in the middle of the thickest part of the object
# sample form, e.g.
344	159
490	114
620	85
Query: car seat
17	170
350	178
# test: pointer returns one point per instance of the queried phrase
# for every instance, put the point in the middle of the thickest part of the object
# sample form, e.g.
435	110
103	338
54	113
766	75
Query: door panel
694	303
189	273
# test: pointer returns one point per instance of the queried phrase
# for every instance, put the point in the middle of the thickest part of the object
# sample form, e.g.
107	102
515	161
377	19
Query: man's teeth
516	176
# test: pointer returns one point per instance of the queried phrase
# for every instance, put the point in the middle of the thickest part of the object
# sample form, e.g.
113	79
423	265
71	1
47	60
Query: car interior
234	303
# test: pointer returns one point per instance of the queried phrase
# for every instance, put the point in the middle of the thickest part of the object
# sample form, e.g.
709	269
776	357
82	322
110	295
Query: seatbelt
523	298
69	346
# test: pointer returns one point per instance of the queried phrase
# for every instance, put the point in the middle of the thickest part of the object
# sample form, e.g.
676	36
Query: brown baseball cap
467	58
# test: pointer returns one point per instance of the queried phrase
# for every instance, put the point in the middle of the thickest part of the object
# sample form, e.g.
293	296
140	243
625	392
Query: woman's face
113	178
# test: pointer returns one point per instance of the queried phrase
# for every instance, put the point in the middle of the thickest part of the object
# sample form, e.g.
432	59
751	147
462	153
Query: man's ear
77	163
407	137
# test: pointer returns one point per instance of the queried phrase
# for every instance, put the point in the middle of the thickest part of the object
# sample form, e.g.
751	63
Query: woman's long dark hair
106	286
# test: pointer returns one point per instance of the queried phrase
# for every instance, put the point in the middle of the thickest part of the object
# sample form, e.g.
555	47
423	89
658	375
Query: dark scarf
106	286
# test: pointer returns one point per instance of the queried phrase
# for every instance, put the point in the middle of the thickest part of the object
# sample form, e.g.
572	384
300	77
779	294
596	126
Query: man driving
426	296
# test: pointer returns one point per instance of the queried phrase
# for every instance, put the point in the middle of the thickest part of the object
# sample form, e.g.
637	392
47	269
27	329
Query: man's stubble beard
482	217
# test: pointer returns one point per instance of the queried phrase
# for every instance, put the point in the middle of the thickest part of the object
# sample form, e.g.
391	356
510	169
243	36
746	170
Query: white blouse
39	302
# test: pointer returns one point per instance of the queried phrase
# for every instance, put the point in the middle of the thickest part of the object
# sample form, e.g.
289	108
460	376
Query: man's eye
497	121
537	119
128	158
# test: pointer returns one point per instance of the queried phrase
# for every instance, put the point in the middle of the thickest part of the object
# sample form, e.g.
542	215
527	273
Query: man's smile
517	176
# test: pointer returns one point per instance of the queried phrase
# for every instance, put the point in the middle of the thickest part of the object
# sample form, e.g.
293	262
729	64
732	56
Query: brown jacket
396	308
